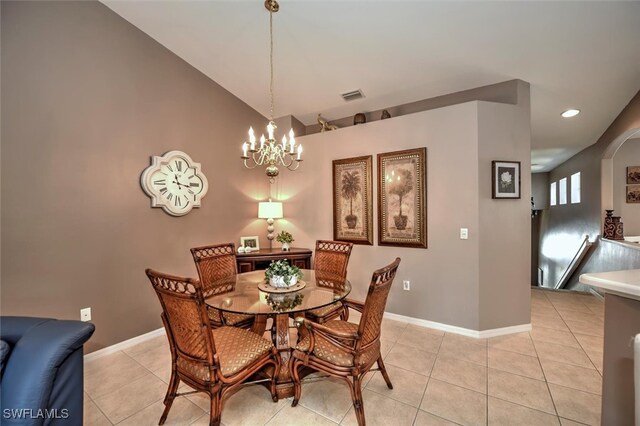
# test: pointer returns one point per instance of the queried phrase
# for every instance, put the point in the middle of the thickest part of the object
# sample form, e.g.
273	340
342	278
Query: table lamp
270	210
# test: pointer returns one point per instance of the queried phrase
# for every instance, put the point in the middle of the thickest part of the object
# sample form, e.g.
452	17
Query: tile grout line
486	415
542	369
573	335
115	390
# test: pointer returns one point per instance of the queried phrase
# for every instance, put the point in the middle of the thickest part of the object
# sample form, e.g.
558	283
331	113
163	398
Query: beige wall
447	279
86	100
627	155
505	225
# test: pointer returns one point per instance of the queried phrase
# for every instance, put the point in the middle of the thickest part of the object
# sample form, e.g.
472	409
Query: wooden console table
261	259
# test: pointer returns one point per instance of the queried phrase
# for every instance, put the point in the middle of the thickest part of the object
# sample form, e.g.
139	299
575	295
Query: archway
606	170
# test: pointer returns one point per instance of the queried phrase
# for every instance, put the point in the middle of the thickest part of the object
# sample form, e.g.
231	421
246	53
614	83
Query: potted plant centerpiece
282	275
285	238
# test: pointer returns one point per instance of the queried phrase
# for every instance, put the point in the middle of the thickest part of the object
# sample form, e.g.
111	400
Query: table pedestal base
282	342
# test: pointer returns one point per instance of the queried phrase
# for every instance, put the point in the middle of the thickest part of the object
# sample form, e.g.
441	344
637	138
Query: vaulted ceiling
583	55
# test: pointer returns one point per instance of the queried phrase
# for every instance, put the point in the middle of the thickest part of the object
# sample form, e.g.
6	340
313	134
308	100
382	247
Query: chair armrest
36	357
337	338
354	304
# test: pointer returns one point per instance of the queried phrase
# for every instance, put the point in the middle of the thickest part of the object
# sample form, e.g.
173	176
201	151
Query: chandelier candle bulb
262	142
244	149
299	151
284	143
270	130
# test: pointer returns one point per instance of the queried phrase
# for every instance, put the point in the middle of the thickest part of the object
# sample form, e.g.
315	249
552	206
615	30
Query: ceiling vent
352	95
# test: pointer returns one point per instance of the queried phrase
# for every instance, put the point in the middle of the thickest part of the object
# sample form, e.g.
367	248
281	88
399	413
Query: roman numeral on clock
194	184
178	202
170	196
179	165
160	182
163	190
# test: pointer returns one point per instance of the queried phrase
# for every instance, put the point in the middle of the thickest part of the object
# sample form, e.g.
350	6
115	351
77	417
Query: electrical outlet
464	233
406	285
85	314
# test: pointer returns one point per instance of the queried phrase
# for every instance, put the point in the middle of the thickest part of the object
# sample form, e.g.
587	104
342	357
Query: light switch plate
464	233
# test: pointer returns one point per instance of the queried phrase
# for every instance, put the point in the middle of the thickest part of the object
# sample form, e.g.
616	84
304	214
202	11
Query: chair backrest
215	262
375	303
332	257
185	318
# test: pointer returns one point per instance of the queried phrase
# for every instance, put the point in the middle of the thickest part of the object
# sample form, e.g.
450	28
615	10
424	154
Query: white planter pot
278	282
285	247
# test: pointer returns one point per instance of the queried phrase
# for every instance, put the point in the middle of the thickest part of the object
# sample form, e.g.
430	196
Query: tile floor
550	376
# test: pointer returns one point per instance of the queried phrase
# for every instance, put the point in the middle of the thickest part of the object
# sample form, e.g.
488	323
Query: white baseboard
478	334
415	321
124	345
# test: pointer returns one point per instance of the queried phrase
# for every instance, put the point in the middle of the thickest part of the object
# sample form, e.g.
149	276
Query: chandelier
270	153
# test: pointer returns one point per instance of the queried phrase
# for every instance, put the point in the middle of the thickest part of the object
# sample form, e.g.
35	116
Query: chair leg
170	396
297	387
356	396
384	372
216	408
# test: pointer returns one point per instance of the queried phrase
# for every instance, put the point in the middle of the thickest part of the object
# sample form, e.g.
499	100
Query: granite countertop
623	283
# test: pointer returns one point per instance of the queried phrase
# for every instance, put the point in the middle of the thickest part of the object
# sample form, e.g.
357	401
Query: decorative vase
359	118
351	219
401	222
609	228
285	247
279	282
618	232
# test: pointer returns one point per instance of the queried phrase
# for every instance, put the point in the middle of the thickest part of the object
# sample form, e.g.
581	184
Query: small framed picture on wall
633	175
505	178
633	193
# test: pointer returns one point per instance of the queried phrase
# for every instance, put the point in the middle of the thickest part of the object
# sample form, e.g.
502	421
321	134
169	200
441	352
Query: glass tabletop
240	294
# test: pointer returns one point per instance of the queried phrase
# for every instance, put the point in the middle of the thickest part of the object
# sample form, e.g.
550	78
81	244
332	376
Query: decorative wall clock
174	182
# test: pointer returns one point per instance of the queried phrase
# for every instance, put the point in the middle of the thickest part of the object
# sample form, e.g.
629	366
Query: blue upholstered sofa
42	375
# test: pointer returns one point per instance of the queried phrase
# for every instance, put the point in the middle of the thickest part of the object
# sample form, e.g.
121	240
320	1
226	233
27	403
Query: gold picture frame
353	200
402	188
633	175
633	194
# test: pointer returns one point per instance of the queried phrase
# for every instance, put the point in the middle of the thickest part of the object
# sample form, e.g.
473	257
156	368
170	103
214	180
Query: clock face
175	183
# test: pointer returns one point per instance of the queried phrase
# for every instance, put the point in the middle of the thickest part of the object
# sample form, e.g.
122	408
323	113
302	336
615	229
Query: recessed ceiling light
570	113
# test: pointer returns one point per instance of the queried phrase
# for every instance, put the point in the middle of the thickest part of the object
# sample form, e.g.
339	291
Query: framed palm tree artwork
353	200
402	198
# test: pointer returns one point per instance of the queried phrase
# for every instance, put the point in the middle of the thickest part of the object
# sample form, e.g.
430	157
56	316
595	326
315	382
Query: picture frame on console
353	200
505	179
402	198
253	243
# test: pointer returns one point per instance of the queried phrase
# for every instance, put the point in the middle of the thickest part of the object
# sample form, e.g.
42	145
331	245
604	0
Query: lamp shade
270	210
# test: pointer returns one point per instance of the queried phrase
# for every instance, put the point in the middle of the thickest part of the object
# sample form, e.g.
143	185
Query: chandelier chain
269	152
271	59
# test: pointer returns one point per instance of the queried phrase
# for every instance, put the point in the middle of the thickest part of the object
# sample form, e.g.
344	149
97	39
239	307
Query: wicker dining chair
214	263
343	349
210	360
331	257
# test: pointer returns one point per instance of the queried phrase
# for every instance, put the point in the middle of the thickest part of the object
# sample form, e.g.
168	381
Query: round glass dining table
240	294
